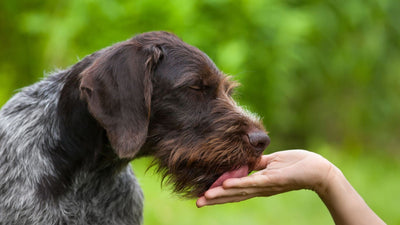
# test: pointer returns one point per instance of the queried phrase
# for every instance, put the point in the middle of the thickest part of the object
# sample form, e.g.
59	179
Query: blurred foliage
316	71
319	73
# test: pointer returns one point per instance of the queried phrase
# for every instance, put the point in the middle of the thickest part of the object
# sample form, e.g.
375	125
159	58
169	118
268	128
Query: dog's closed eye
198	87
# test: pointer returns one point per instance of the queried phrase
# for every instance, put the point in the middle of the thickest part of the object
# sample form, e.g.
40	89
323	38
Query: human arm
290	170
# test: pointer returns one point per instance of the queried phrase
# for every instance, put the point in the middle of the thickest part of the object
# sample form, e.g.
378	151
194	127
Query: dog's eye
198	87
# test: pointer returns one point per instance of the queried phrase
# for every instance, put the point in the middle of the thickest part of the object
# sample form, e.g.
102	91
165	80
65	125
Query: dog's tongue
238	173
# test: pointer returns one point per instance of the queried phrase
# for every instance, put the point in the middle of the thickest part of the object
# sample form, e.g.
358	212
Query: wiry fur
29	133
66	141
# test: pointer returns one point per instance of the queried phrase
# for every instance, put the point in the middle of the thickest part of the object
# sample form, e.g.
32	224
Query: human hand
278	172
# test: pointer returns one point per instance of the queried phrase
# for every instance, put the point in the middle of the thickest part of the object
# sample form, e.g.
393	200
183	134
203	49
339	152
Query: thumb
264	161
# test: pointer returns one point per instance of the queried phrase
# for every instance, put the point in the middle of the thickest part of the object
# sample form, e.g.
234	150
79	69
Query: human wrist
342	200
331	183
330	176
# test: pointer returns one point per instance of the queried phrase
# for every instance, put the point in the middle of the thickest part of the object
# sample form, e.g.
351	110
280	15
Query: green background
323	75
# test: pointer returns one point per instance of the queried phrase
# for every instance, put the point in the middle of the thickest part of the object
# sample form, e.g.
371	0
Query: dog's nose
259	140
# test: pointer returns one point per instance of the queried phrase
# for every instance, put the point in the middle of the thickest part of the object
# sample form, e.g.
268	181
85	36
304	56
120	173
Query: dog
66	141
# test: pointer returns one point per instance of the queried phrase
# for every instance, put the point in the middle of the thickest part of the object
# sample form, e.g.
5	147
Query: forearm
344	203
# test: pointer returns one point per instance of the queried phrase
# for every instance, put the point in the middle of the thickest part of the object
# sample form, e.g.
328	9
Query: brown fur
156	95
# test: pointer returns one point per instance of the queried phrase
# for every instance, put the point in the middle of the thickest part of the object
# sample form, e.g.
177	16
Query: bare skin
290	170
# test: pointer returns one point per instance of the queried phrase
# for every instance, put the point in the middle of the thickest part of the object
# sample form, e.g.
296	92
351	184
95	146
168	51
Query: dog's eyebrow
188	79
229	85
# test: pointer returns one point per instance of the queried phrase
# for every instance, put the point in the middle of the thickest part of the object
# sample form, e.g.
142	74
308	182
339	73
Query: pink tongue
238	173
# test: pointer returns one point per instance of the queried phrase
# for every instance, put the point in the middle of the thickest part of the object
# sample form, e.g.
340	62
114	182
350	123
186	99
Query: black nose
259	140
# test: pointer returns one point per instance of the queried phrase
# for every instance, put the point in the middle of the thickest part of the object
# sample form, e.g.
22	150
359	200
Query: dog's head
159	96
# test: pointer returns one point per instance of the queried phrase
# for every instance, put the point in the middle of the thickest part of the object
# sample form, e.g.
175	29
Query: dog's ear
117	88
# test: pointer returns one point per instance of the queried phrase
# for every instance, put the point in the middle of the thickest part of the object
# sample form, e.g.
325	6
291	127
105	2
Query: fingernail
200	202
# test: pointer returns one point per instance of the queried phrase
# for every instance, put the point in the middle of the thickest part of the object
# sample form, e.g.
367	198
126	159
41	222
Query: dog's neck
82	143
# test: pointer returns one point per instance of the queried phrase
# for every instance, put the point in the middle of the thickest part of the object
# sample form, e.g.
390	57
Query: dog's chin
193	186
192	181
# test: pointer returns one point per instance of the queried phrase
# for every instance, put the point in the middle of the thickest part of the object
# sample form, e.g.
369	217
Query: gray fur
28	121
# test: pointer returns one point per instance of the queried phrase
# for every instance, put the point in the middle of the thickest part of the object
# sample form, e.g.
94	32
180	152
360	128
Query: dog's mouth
242	171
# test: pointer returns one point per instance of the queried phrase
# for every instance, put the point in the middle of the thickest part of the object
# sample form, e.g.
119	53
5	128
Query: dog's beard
192	169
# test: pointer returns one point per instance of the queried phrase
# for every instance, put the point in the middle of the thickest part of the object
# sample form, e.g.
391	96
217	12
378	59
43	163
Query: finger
204	201
235	192
265	160
214	192
240	195
221	192
255	180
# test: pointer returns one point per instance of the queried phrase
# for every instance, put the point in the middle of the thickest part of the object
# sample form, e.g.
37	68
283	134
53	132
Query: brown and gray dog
66	141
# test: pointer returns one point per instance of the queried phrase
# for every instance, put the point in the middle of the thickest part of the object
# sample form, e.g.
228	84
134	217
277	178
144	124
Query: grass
375	176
